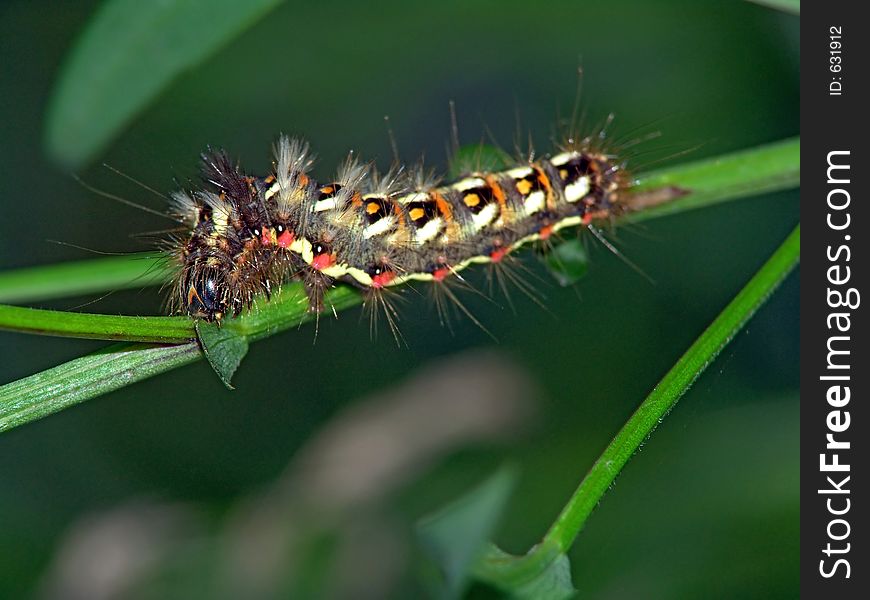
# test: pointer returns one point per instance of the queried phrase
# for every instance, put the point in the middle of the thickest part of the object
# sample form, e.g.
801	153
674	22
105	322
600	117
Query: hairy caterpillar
249	234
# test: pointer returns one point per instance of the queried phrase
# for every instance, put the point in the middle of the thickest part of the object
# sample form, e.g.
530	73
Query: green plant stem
82	277
669	390
169	330
728	177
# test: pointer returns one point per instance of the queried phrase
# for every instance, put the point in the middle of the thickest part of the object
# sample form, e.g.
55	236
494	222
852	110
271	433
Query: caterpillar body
250	234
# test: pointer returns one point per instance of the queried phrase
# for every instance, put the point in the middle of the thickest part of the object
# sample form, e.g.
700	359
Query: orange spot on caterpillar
546	231
383	279
285	239
372	208
323	261
303	179
417	213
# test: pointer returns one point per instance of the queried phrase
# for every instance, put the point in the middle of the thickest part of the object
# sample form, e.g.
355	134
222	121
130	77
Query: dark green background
708	508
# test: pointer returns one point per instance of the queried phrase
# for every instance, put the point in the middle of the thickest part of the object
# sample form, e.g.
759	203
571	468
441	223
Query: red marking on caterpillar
497	255
383	279
285	240
441	274
323	261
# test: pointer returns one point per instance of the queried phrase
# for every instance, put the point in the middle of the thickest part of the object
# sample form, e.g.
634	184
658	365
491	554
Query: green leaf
129	53
543	574
224	349
554	583
87	377
480	157
568	262
456	535
83	378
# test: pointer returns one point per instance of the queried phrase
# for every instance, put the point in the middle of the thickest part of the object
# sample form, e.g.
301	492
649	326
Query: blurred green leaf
456	535
224	349
790	6
568	262
129	53
479	157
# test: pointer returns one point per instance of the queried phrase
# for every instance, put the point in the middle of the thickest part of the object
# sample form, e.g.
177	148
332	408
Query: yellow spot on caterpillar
372	208
471	200
417	213
524	187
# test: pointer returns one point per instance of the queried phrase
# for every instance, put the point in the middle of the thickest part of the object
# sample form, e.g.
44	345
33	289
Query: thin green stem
169	330
669	390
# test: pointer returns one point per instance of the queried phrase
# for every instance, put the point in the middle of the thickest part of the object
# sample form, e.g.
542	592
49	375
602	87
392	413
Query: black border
829	123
